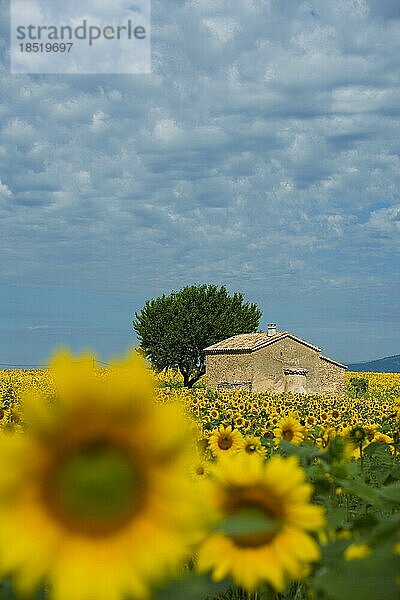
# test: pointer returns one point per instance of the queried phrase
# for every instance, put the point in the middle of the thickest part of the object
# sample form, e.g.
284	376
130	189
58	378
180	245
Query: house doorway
295	380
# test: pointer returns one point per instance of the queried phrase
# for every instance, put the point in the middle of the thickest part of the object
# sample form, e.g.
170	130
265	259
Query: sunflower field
120	484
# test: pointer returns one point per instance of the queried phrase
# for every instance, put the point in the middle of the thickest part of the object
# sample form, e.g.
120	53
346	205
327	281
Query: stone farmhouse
273	360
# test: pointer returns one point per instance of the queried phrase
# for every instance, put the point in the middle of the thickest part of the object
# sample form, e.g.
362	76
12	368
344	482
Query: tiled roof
250	342
334	362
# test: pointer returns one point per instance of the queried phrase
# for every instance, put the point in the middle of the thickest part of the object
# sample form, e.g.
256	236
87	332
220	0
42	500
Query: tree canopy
174	329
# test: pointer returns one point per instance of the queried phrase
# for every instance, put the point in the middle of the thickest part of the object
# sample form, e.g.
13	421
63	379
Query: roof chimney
271	329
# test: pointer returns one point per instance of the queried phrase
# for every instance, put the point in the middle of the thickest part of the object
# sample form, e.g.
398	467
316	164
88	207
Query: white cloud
167	130
18	130
5	191
99	120
221	28
386	220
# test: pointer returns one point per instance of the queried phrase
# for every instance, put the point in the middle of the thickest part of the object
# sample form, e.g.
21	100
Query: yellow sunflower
397	407
238	420
357	551
356	438
371	431
4	413
214	414
99	501
289	429
382	438
225	440
253	445
264	512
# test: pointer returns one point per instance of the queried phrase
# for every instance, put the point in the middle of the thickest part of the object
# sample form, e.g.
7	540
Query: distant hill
389	364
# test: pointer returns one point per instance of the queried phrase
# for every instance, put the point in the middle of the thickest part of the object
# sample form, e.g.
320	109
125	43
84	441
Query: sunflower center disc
287	435
225	442
96	488
252	527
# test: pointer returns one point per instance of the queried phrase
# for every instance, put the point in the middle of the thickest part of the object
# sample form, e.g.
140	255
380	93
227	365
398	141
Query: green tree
173	330
359	385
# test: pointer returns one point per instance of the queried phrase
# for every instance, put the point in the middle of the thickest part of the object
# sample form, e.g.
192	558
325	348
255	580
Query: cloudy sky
262	153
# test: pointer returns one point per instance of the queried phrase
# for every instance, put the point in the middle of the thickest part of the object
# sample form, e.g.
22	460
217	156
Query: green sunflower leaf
191	587
391	492
7	592
248	521
362	490
371	577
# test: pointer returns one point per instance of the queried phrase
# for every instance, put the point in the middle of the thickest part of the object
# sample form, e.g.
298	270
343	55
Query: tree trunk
190	381
195	378
185	378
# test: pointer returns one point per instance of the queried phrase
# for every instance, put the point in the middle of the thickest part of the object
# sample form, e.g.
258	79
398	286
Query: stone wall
228	368
270	362
331	378
235	385
264	370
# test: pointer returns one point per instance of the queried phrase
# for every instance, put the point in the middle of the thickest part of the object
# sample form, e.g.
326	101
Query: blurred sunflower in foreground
264	514
99	501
